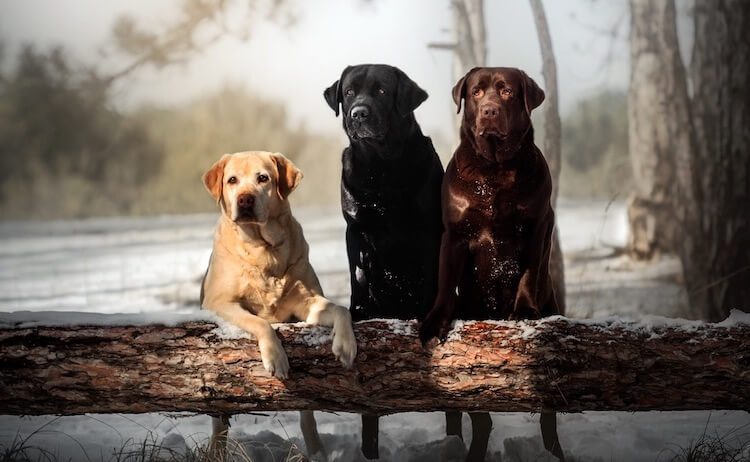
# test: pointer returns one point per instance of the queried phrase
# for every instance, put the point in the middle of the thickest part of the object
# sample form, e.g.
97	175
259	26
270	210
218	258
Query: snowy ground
134	265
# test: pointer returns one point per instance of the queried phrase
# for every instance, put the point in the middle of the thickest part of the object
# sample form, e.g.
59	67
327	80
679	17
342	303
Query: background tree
196	26
60	140
693	154
714	175
552	138
657	84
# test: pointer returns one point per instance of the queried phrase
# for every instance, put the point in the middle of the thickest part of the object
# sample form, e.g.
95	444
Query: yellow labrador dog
259	272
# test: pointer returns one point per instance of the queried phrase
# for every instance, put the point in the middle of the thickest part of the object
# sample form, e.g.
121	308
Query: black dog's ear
459	90
533	96
333	94
408	94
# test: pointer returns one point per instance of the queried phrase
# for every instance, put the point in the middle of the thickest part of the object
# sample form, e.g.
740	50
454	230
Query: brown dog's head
251	186
497	109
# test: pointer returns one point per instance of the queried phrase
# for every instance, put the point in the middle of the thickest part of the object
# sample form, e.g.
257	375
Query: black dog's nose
246	201
489	112
360	112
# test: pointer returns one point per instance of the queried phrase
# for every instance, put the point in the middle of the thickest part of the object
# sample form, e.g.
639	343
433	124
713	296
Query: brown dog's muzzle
490	121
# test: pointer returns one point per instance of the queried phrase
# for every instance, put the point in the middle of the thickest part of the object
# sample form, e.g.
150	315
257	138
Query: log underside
553	364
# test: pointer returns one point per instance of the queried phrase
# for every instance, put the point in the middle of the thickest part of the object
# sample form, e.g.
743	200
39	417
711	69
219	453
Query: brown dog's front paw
432	327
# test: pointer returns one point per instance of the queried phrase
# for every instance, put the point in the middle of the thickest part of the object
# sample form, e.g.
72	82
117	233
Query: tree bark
657	84
471	36
715	183
552	364
552	140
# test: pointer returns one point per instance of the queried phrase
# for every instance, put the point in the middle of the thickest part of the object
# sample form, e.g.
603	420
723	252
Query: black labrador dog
390	198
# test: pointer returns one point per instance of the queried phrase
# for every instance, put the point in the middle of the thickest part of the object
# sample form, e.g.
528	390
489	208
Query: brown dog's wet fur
494	255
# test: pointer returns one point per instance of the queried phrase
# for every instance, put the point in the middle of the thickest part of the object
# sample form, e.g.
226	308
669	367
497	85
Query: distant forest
66	151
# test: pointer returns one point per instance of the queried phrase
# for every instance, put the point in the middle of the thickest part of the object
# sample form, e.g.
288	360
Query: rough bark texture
552	140
715	186
657	84
509	366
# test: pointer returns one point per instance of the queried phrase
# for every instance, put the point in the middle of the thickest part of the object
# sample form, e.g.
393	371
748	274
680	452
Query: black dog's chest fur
392	210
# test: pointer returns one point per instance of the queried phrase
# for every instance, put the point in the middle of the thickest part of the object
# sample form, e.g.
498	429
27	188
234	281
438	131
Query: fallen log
204	366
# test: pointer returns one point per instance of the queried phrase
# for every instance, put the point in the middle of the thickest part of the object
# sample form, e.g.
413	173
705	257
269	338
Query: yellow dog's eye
262	178
232	180
349	92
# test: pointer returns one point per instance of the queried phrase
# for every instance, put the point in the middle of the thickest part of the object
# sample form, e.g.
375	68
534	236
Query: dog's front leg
271	351
326	313
453	255
534	297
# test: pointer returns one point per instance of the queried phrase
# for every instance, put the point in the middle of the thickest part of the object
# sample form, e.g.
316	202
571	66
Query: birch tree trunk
552	140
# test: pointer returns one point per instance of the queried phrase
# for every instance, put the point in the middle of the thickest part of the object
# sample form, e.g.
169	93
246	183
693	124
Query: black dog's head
376	100
497	109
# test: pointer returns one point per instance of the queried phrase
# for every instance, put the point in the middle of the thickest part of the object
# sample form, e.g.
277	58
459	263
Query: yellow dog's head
251	186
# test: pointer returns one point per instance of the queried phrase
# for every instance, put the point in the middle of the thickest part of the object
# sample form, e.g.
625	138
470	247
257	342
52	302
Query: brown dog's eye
262	178
506	92
232	180
477	92
349	92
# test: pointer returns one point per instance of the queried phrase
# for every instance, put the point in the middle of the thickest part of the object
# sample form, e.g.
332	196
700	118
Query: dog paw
345	346
433	327
274	358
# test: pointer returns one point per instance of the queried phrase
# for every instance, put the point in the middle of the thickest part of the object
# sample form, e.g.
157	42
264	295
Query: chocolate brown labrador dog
498	220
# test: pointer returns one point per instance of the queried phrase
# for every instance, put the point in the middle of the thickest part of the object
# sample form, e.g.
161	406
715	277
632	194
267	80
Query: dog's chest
485	201
263	283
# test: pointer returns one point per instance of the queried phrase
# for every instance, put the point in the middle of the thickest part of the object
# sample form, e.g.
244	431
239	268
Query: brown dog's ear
459	90
533	96
408	94
213	179
333	94
289	175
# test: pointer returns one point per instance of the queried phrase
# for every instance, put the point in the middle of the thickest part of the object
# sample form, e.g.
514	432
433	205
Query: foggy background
144	139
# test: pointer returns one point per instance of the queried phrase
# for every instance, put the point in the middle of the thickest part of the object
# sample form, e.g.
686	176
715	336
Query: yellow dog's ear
213	179
289	175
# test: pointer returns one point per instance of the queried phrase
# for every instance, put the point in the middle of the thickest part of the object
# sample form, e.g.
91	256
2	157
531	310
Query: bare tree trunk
552	140
715	187
471	36
654	88
553	364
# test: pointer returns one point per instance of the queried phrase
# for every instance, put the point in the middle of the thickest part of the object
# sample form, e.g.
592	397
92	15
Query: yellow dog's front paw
274	358
344	345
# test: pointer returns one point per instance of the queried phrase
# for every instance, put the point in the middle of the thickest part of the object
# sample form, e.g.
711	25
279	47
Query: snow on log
206	366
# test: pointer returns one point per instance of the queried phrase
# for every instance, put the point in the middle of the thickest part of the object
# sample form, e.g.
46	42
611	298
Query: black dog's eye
262	178
477	92
349	92
381	91
232	180
506	92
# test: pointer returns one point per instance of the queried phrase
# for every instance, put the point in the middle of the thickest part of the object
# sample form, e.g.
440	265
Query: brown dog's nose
489	111
246	201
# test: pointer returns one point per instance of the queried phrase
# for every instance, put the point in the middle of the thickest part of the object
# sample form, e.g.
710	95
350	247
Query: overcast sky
295	64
